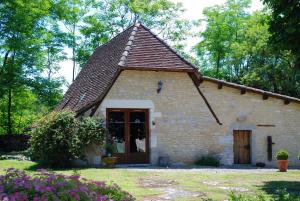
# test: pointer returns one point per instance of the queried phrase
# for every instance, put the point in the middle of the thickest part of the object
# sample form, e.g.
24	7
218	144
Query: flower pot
282	165
109	161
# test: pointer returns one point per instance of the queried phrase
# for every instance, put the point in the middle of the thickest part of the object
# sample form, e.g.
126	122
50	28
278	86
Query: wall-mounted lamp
159	86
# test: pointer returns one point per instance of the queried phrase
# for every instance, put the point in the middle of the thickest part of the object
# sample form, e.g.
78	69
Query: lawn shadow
34	167
270	187
38	166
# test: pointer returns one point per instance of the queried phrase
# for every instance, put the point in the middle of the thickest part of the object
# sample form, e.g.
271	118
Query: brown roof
149	52
244	88
135	48
97	75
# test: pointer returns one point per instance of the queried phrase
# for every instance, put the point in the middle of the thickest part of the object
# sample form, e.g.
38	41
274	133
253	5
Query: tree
72	14
224	29
26	43
110	17
285	26
20	43
234	46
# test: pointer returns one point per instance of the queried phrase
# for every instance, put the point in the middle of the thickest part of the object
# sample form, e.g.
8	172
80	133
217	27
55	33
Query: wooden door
129	129
242	146
138	136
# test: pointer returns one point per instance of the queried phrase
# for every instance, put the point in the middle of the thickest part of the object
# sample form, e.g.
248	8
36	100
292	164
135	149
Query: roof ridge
101	46
128	45
251	89
171	49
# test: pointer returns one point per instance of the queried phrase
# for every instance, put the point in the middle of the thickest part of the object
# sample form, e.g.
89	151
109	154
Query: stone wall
246	111
184	127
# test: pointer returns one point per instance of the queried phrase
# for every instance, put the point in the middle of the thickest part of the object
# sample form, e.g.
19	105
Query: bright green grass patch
211	184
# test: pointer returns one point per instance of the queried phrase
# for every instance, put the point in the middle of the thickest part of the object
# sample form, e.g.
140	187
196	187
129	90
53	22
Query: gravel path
209	170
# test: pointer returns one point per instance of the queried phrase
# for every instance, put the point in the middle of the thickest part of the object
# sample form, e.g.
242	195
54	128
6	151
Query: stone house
156	103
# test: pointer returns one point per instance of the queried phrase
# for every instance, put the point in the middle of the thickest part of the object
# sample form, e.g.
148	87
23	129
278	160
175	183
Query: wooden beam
243	91
251	89
207	103
220	85
265	125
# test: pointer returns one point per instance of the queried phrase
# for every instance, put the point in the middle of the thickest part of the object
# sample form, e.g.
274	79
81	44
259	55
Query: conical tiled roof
135	48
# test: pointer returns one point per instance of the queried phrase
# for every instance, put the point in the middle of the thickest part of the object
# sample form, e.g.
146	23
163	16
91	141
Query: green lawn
150	184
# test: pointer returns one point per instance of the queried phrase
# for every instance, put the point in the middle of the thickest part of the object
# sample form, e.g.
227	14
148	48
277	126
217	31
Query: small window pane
116	129
137	132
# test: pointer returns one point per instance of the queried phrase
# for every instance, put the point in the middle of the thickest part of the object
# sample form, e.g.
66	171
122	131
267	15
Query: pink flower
36	198
49	188
102	198
75	177
5	199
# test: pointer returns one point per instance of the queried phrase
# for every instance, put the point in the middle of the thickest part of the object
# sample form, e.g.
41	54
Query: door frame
127	111
249	133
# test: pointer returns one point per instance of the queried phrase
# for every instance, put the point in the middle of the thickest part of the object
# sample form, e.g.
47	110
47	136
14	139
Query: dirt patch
156	182
239	189
170	189
211	183
229	188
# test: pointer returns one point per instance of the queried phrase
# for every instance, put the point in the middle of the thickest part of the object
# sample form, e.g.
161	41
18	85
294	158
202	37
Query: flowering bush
16	185
59	138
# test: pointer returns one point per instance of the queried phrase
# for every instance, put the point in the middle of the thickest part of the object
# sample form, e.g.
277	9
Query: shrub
90	131
260	164
17	142
282	154
208	161
59	138
299	156
17	185
279	195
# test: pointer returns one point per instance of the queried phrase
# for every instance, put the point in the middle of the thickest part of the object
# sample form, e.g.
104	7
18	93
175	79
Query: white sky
193	11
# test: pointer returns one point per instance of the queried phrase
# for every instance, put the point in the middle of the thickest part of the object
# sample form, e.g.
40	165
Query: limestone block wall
230	106
184	127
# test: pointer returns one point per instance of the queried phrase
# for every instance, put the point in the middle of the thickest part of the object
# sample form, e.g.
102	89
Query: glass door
138	135
116	127
129	132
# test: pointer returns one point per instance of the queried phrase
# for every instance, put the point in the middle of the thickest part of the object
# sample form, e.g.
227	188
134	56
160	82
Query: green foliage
299	156
109	17
234	47
111	148
285	26
59	137
90	131
282	154
25	109
208	161
279	195
26	48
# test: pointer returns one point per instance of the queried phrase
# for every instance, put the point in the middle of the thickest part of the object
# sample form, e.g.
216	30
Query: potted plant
282	160
109	160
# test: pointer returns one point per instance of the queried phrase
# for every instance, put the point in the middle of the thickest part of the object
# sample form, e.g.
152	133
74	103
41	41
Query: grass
130	180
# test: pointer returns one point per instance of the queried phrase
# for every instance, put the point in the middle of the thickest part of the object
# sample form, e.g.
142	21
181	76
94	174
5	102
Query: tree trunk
218	65
4	61
9	122
49	99
9	104
73	52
